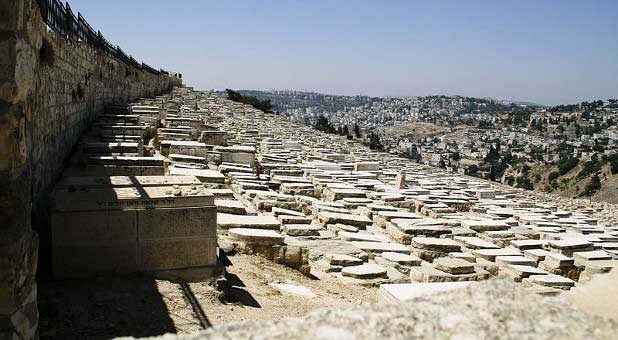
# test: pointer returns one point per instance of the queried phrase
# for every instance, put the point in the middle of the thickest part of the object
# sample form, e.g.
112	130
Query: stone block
400	292
169	223
365	271
82	228
87	260
453	266
256	236
112	226
167	254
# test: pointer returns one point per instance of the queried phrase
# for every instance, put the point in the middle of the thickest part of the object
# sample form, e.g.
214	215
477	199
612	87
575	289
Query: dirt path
104	308
253	298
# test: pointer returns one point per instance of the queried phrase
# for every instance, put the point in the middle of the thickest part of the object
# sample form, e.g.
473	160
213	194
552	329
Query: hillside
577	182
412	130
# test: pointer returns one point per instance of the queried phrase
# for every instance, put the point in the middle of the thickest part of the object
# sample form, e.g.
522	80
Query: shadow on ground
236	292
102	308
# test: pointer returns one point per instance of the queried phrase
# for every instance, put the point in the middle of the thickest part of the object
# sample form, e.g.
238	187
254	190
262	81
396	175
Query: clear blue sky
545	51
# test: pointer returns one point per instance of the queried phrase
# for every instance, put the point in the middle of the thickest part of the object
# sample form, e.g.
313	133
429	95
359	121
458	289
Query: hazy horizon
550	52
392	96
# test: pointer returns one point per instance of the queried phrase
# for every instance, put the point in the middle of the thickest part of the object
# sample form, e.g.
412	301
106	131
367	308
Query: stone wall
51	89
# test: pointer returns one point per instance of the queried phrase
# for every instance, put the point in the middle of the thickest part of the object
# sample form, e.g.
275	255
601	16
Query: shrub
589	168
553	175
593	186
264	105
472	170
324	125
613	162
524	182
566	164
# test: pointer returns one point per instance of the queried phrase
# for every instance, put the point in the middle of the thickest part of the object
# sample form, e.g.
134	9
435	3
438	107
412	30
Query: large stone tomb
155	224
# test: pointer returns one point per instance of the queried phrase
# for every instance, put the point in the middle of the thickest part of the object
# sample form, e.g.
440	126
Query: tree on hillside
524	182
264	105
472	170
374	142
324	125
357	132
565	164
593	186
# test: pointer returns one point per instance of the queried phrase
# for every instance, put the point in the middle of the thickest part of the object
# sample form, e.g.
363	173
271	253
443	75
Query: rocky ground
494	309
107	307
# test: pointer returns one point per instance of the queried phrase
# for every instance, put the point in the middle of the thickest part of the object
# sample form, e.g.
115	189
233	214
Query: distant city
567	149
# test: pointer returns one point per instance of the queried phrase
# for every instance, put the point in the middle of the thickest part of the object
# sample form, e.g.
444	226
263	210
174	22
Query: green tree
590	167
324	125
565	164
553	175
593	186
263	105
524	182
357	132
472	170
374	142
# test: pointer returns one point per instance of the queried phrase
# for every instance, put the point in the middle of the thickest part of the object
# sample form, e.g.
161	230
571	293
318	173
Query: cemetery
218	181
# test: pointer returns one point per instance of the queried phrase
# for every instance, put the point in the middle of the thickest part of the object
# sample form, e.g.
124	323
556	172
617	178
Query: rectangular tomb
108	227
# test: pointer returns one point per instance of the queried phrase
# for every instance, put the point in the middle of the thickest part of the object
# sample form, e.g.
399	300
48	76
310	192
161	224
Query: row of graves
329	206
167	180
124	206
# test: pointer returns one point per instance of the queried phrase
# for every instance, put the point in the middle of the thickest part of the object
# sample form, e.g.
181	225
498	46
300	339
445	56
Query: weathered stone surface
436	244
400	292
256	236
364	271
485	225
301	229
360	236
426	272
279	211
328	217
595	296
550	280
518	260
402	259
494	309
453	266
288	219
106	229
228	221
229	206
51	89
475	242
519	272
288	288
490	254
380	247
536	254
343	260
526	244
204	175
398	261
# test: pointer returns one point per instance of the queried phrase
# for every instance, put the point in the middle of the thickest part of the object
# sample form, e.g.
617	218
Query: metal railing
61	19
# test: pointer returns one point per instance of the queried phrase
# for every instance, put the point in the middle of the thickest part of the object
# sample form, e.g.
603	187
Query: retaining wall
51	89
